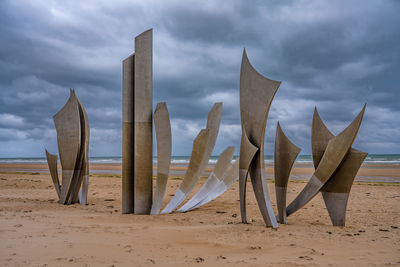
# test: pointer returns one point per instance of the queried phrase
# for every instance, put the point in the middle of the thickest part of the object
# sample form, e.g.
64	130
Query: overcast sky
336	55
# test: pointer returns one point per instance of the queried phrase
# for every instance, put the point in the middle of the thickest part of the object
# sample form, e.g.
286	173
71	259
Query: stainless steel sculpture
228	179
256	95
223	163
52	163
191	178
164	147
72	128
335	152
336	191
137	148
285	154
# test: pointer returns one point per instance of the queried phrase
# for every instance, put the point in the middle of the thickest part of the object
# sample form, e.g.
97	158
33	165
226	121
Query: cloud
335	55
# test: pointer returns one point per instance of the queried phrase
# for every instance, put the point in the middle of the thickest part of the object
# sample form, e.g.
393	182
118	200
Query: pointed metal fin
285	155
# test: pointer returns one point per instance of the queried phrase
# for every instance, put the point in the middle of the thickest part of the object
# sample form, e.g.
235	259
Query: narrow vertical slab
68	127
285	154
256	95
164	149
52	163
143	131
128	69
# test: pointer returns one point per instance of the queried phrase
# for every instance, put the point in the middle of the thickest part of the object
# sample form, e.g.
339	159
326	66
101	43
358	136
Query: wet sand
37	231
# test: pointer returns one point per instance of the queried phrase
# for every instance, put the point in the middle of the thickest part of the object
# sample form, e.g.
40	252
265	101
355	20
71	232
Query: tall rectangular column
137	162
143	128
128	73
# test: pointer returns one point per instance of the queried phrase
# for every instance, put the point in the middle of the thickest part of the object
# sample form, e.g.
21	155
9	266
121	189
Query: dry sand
36	231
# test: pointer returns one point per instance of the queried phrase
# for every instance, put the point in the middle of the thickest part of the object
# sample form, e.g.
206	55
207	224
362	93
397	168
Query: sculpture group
336	162
72	128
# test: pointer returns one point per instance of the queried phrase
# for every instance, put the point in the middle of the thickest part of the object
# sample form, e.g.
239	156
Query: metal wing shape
256	95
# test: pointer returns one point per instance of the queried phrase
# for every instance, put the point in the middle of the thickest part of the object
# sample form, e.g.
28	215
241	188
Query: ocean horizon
393	159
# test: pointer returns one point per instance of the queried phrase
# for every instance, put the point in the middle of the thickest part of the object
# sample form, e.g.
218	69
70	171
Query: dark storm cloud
334	55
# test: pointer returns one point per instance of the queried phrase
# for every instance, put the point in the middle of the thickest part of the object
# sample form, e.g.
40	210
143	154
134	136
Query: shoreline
380	173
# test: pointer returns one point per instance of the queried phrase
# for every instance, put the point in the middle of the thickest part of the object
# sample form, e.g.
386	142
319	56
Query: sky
333	55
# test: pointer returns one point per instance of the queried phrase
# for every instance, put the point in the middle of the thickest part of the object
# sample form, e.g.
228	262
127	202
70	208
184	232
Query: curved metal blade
247	152
213	123
285	154
335	152
164	148
215	177
81	176
191	178
68	127
221	187
52	163
256	95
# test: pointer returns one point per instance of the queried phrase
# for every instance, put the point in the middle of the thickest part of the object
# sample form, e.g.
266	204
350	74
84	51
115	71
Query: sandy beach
37	231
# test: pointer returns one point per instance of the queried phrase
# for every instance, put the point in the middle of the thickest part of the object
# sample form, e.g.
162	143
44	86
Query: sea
381	159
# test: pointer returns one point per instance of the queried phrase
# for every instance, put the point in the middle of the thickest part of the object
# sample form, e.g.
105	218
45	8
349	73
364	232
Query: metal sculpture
137	147
191	178
228	179
285	154
223	163
336	150
164	148
256	95
72	128
336	191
